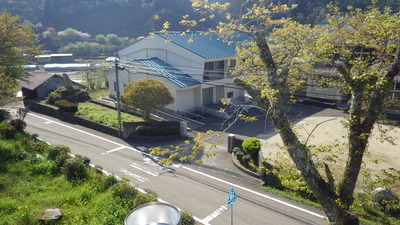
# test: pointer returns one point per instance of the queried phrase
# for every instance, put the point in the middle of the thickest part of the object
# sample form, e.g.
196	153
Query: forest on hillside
133	18
58	21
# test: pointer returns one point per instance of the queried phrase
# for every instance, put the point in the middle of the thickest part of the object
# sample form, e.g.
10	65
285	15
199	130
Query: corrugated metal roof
35	79
171	73
207	46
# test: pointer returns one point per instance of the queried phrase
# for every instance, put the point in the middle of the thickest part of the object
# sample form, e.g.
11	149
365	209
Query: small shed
39	84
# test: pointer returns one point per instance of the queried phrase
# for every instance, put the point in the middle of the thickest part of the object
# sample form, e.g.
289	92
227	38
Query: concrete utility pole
118	95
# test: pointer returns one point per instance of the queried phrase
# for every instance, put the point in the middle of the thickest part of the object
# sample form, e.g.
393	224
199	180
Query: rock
51	214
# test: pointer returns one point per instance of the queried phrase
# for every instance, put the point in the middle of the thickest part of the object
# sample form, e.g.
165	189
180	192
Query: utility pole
118	95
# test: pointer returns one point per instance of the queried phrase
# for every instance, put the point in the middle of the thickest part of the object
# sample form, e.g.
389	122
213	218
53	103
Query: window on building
229	94
214	70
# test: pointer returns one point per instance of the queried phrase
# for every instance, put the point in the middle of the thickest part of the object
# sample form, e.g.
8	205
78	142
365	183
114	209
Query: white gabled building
194	66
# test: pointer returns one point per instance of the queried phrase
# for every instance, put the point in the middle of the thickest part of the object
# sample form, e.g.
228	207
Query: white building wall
186	99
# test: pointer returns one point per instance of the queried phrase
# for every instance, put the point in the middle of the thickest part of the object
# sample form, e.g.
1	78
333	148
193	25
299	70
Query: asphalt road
201	191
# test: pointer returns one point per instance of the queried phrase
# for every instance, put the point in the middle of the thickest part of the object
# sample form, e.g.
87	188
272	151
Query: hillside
133	18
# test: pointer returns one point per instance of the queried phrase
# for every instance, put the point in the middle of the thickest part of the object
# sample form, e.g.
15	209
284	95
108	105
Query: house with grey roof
196	68
39	84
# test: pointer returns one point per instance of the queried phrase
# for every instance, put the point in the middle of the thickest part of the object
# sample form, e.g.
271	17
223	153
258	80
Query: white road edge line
113	150
256	193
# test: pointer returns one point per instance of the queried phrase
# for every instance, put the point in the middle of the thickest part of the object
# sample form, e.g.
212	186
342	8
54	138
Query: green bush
74	169
55	151
66	106
6	130
109	181
4	115
38	165
124	190
187	218
246	159
236	150
18	124
143	198
252	146
239	155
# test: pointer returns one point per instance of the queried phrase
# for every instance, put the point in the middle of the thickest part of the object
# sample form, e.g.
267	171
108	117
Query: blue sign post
231	200
232	197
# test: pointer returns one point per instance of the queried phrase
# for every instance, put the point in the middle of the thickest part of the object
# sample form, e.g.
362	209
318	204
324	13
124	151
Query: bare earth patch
380	155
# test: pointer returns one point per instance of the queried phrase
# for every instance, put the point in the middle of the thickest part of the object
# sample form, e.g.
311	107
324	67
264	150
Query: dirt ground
380	154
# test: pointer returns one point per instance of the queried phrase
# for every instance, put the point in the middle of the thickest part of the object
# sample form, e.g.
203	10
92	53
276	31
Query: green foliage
55	151
16	41
109	181
18	124
239	155
187	218
75	169
6	130
68	94
124	190
4	114
146	95
246	160
29	186
235	150
252	146
41	166
66	106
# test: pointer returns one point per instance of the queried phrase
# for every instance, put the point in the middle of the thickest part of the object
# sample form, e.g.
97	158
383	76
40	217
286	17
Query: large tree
17	42
146	94
281	51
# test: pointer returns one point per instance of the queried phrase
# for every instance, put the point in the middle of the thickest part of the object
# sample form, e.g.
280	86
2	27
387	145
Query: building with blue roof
196	67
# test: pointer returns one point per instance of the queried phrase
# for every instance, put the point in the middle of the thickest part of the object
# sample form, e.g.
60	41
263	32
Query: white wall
185	98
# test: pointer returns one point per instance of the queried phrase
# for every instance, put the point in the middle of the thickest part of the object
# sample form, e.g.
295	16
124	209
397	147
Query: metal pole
232	214
118	97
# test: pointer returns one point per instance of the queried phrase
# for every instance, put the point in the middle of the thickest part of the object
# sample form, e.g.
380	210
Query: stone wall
129	131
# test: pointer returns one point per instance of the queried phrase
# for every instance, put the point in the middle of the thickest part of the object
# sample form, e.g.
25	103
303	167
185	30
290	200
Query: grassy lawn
103	114
34	177
98	93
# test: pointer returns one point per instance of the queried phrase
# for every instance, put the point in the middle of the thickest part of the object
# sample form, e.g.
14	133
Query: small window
229	94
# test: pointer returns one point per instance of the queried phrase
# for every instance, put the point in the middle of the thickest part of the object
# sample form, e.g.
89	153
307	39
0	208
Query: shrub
74	169
124	190
109	181
239	155
85	160
187	218
42	167
69	94
142	198
246	159
55	151
252	146
236	150
4	115
6	130
18	124
66	106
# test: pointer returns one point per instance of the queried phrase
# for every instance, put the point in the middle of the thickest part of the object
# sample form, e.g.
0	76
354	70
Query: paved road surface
199	190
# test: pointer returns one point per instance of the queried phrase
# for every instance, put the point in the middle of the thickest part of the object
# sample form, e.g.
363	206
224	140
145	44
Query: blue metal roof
169	72
207	46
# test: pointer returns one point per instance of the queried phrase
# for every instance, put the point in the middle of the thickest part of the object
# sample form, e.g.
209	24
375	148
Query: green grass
104	115
25	191
98	93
